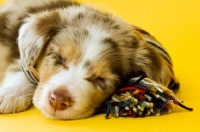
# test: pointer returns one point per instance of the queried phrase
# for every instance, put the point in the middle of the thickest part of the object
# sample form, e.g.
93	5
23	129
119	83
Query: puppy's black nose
60	100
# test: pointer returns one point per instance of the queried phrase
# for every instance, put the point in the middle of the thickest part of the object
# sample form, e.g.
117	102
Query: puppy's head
80	56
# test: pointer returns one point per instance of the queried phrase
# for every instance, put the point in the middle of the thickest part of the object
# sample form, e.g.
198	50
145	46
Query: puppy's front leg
16	91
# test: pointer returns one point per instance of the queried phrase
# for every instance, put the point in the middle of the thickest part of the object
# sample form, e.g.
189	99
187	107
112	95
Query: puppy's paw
15	101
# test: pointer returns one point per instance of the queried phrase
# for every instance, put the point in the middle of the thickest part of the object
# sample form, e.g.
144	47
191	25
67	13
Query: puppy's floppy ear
161	63
34	34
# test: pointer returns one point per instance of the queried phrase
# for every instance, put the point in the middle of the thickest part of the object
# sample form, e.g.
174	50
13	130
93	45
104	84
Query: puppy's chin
72	113
68	115
78	110
77	101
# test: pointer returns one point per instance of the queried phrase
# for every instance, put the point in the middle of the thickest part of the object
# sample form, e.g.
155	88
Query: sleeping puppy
68	58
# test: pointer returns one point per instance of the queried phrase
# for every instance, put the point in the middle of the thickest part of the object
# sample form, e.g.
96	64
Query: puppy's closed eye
58	60
98	81
101	82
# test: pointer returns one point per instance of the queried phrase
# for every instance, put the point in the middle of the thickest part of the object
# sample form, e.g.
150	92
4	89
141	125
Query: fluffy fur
81	56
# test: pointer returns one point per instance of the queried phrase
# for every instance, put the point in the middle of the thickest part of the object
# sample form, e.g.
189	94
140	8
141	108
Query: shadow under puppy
69	58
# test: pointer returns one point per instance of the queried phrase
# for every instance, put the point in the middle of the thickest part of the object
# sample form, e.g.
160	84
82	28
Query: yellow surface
176	24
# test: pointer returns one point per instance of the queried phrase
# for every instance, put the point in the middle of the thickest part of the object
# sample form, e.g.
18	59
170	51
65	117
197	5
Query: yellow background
176	24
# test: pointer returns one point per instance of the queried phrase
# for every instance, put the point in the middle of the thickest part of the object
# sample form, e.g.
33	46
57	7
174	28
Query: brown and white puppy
79	55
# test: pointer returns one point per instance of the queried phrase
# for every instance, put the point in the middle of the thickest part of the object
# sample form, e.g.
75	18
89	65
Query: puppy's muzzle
60	100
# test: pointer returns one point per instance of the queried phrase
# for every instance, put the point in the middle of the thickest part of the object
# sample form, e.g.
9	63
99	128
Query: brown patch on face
101	76
57	57
70	51
45	70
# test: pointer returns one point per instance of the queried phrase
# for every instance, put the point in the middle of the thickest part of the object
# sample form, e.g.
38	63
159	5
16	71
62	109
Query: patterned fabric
142	97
